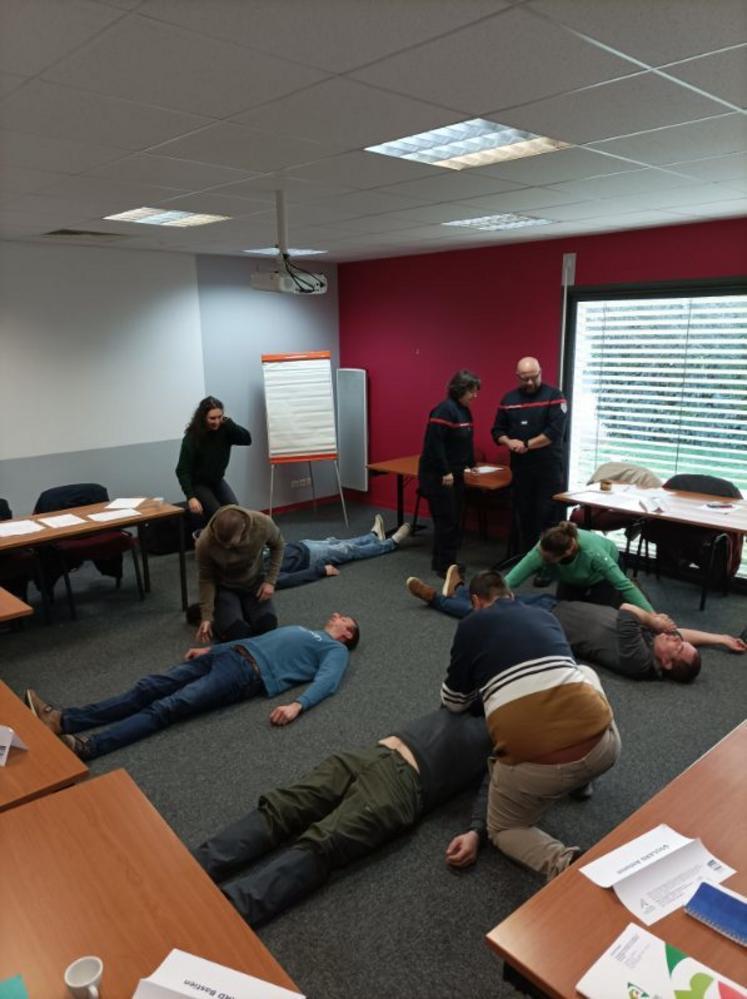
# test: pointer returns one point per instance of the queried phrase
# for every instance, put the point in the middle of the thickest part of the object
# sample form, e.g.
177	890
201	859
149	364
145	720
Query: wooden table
96	870
407	468
148	511
46	766
680	507
12	607
557	935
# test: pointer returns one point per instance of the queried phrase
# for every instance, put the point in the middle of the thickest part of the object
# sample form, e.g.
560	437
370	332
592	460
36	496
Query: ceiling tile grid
108	105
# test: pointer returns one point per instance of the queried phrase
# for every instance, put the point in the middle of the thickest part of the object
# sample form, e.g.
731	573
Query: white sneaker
378	527
452	580
402	532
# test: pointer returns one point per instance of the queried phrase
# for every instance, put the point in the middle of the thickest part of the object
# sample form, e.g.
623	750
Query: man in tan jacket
234	587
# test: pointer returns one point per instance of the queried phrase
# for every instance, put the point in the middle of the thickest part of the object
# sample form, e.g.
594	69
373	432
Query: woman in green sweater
203	459
585	564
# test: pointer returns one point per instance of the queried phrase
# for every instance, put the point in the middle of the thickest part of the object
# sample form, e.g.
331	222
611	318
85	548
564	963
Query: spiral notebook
722	909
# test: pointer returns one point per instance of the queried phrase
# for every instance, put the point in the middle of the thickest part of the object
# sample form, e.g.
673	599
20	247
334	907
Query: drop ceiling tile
122	4
723	74
347	114
525	199
58	112
387	224
152	63
241	147
35	33
348	207
634	182
170	172
613	109
656	33
569	213
215	204
103	190
675	199
509	59
363	170
22	149
450	185
722	168
337	35
25	181
296	191
552	168
721	209
10	82
725	133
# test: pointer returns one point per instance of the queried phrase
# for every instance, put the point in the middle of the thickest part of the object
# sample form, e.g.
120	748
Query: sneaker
420	589
77	744
452	580
378	527
582	793
46	714
402	532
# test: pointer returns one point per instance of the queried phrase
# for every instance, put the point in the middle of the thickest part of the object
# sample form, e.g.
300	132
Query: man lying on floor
212	678
344	809
633	642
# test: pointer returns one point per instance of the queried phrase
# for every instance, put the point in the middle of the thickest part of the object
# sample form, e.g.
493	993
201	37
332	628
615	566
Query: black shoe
541	579
582	793
193	614
743	635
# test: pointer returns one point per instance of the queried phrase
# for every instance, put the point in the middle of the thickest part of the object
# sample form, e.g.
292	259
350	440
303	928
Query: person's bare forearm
643	616
704	637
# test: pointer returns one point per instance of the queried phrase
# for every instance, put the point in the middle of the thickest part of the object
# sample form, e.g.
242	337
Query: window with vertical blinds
661	382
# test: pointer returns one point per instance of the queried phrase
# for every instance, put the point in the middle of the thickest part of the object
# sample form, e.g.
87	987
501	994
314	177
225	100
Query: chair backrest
624	471
64	497
5	511
709	484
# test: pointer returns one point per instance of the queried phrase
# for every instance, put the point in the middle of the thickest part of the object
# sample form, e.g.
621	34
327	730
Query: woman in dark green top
203	459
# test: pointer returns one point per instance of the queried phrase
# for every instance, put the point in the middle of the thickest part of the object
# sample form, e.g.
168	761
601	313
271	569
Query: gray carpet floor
400	923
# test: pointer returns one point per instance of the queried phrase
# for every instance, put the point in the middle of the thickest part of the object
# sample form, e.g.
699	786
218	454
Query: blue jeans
337	551
210	681
459	604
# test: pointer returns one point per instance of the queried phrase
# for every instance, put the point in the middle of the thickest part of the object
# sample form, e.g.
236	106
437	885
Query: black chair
105	548
18	568
680	546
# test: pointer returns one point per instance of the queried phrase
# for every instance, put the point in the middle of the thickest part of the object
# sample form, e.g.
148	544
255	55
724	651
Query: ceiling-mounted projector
287	279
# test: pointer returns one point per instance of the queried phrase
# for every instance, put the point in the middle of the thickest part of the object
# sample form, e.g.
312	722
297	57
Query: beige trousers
520	793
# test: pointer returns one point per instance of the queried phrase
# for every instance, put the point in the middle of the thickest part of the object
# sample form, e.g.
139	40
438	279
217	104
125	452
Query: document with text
656	873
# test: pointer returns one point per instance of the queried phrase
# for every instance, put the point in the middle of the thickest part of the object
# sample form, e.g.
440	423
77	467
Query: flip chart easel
300	413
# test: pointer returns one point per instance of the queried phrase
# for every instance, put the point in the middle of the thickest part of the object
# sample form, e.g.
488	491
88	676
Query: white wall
100	347
104	354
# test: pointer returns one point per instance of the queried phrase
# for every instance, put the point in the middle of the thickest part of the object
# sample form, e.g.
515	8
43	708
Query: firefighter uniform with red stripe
539	473
447	449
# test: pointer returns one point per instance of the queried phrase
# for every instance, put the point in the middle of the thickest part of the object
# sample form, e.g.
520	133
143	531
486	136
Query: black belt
246	654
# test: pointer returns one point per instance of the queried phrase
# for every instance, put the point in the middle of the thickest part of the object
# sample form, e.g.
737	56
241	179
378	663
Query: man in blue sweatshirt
212	678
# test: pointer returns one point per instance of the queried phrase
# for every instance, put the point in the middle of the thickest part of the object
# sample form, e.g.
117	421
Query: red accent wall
412	321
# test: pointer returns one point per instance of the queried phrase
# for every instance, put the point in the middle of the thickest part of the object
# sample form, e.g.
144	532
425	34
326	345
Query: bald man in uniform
531	423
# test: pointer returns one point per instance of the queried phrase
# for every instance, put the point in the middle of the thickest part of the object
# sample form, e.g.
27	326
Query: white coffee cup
83	976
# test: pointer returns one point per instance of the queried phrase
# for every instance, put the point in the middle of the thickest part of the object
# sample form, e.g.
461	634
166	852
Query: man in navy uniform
531	422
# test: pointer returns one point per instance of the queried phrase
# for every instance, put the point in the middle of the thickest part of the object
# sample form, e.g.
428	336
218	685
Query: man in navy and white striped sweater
549	721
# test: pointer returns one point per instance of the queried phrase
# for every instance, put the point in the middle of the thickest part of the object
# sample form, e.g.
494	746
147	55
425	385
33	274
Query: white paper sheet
483	469
10	528
106	515
62	520
656	873
639	964
671	882
634	856
126	504
182	974
9	738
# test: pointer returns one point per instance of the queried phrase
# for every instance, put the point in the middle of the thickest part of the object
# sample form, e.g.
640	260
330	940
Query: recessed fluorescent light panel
472	143
272	251
488	223
160	216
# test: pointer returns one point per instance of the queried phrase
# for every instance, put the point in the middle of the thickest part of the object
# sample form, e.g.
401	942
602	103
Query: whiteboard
300	407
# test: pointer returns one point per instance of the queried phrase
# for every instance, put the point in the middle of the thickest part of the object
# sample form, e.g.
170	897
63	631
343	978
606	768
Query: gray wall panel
131	470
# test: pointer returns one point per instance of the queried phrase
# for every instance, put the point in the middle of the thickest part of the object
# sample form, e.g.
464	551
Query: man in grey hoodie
235	588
